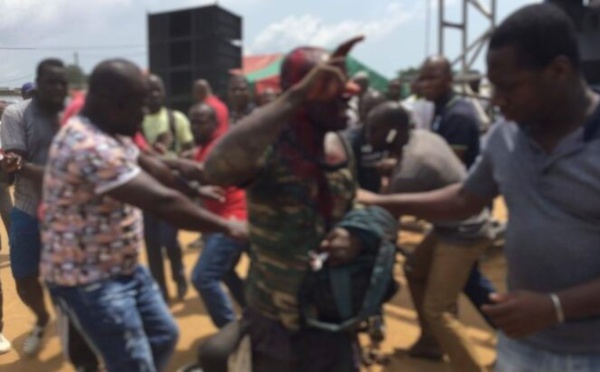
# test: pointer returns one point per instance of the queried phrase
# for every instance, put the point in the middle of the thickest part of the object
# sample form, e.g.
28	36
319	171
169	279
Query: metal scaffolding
470	50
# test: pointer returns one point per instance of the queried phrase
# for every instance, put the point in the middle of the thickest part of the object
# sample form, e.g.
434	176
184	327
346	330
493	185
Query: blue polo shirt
553	232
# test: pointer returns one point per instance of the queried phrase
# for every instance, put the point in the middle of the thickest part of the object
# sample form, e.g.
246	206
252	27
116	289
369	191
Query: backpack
341	298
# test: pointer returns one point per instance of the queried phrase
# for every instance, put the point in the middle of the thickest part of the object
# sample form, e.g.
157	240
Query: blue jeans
216	264
124	319
159	234
516	356
478	290
25	244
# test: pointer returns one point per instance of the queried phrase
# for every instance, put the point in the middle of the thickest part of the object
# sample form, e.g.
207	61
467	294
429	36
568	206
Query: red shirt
234	205
221	112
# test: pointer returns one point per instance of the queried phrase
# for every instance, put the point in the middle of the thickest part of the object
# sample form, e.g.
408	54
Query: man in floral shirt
92	230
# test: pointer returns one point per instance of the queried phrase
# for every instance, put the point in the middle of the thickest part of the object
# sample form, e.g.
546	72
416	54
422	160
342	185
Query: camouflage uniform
285	224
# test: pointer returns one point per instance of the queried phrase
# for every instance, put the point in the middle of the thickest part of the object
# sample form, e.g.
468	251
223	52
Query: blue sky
100	29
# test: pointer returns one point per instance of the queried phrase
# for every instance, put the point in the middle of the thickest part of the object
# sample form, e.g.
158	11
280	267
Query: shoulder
430	147
336	148
17	110
461	111
180	117
502	134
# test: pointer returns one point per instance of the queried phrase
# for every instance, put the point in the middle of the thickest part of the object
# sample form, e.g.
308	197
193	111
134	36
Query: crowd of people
310	183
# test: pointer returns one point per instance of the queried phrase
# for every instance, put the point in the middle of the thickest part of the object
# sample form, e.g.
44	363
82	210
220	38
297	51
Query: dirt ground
195	325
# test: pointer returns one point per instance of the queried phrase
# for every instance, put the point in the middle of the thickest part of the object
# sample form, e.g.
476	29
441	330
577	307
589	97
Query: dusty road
195	325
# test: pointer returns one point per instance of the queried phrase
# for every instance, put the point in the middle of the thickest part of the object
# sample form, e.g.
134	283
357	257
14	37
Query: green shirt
285	224
156	124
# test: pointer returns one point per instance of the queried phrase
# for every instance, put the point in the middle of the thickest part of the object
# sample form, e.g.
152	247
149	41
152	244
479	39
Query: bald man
221	253
457	122
203	93
440	266
92	228
366	159
455	118
240	98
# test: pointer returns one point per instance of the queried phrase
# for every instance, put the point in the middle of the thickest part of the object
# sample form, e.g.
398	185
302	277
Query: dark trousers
159	234
274	349
478	290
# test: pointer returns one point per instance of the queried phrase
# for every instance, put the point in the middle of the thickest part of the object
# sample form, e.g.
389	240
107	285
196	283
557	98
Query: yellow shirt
156	124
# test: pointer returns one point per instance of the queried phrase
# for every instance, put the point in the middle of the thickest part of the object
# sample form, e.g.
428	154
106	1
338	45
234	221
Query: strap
172	128
341	287
380	279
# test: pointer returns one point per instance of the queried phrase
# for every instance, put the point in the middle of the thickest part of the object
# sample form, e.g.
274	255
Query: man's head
27	90
156	93
435	78
202	90
51	84
388	127
368	102
203	121
329	115
117	97
533	61
238	92
394	90
361	79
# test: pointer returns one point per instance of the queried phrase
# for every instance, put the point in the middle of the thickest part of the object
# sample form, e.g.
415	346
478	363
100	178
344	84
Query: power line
137	46
15	79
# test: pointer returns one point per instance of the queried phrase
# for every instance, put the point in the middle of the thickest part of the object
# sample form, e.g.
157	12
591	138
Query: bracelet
560	315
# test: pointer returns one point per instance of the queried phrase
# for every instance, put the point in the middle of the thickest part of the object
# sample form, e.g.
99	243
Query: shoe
4	344
33	342
196	244
194	367
424	349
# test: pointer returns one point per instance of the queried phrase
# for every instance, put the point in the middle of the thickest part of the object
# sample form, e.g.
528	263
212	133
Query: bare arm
581	301
160	171
146	193
190	169
452	202
236	157
33	172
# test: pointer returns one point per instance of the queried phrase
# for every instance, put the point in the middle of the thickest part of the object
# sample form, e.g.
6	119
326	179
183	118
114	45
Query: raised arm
449	203
236	157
